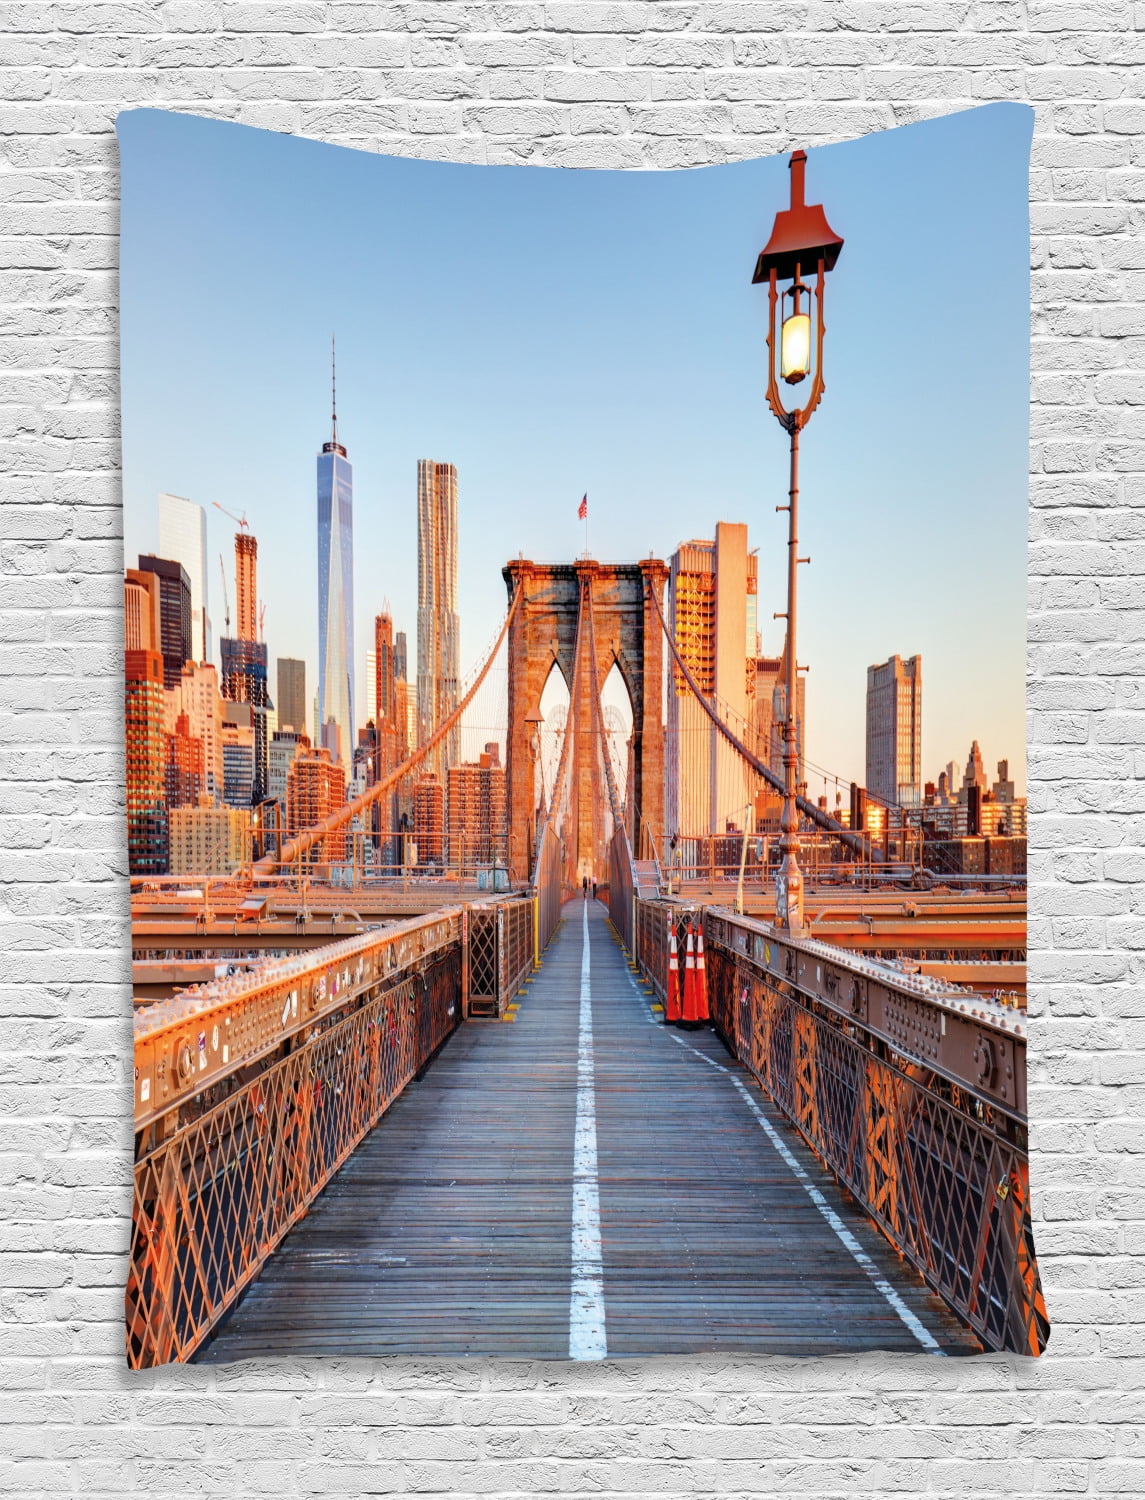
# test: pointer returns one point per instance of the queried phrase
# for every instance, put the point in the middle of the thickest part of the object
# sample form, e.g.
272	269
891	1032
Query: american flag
582	513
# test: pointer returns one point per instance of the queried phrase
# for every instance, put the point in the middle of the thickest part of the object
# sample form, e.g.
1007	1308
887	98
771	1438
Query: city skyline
654	488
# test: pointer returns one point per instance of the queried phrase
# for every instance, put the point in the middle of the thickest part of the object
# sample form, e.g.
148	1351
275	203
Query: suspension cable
598	714
308	837
553	817
854	841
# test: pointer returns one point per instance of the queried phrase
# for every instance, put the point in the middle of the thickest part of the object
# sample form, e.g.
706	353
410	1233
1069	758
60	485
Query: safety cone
672	999
702	1012
689	1014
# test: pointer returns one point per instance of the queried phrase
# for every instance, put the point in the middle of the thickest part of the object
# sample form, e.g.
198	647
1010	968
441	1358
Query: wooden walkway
451	1229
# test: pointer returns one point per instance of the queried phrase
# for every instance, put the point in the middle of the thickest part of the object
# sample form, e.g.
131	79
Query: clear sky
553	332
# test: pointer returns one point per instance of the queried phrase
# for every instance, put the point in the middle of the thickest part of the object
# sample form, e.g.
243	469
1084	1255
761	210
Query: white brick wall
621	84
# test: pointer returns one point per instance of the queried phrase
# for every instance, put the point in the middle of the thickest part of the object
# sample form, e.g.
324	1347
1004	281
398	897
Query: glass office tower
336	599
183	537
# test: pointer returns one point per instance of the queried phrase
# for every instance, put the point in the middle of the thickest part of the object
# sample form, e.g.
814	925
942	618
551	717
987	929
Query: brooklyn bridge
598	1103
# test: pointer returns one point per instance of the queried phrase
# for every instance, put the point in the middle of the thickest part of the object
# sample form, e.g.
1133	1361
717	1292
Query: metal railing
253	1090
213	1200
912	1092
500	953
716	859
655	920
548	883
621	886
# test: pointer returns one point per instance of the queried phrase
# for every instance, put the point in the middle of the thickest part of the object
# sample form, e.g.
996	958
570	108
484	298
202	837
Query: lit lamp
802	242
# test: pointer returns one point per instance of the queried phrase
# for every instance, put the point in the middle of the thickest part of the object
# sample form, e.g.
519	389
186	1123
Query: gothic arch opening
554	711
616	704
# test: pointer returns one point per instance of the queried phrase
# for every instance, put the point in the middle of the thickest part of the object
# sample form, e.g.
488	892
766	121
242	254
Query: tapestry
564	926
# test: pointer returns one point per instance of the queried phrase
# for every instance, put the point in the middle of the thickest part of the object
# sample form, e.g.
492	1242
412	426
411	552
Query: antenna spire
334	388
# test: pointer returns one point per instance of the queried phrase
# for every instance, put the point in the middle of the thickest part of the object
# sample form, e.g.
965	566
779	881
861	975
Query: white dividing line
586	1304
858	1254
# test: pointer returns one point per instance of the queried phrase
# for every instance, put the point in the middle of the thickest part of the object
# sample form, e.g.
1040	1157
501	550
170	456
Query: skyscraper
386	697
712	614
894	731
183	537
246	586
244	659
144	730
238	737
336	596
174	613
769	714
438	630
383	667
405	705
142	618
372	685
291	697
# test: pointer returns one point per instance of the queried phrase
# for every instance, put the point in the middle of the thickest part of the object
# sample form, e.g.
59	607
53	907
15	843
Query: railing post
500	961
465	962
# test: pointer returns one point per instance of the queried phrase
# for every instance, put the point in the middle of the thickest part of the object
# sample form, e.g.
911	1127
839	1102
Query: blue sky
553	332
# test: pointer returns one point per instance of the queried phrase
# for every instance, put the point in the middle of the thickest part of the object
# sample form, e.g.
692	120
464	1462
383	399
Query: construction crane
262	622
240	521
226	601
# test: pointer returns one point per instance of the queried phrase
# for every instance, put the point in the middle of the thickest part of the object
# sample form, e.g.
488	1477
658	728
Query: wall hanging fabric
563	925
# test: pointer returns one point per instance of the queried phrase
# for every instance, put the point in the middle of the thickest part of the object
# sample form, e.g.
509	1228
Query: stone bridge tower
628	634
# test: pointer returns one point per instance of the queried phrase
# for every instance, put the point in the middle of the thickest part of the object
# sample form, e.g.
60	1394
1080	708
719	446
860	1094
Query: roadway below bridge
584	1181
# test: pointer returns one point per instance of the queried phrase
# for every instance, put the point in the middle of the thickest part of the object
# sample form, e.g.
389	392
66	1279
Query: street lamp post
801	242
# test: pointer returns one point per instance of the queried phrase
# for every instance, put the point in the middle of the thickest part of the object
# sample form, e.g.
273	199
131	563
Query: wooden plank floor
449	1230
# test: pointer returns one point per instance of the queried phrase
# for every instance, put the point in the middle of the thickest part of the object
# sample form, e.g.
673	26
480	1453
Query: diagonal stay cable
560	785
854	841
598	715
308	837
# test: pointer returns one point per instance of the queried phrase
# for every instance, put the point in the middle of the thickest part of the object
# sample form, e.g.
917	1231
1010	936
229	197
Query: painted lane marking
645	1009
858	1254
586	1304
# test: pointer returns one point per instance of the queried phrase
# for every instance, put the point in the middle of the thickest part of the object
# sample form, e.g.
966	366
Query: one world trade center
336	597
